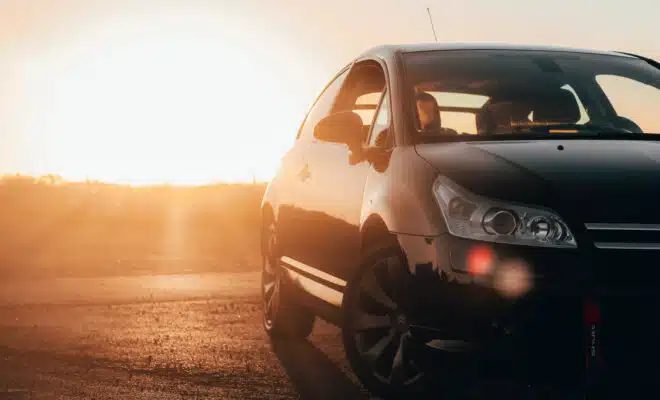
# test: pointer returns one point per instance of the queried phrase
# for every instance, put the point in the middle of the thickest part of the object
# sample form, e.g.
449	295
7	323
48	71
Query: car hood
613	181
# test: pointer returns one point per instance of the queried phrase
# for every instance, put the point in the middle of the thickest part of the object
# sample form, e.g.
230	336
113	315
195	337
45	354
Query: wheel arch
373	230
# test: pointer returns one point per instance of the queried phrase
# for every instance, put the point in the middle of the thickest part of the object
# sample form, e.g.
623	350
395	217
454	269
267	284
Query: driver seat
556	107
499	116
548	107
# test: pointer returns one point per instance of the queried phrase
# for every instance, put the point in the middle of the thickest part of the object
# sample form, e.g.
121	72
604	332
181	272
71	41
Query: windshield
461	93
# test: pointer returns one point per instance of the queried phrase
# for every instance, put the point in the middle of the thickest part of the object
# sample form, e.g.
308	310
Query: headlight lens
474	217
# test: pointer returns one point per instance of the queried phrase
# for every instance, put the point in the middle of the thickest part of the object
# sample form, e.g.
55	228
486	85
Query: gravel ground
162	337
165	337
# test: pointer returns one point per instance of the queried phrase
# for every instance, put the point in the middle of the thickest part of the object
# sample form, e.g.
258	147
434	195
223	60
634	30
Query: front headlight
473	217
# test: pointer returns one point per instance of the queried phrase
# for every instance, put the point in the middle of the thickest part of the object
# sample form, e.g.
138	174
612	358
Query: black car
468	212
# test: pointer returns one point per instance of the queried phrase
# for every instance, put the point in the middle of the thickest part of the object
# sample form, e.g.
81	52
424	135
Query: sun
172	98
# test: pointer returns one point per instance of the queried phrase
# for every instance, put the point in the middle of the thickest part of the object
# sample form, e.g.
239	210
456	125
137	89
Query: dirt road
165	337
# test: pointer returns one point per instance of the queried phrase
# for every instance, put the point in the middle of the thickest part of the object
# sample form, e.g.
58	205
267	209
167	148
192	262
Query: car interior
511	108
362	93
507	111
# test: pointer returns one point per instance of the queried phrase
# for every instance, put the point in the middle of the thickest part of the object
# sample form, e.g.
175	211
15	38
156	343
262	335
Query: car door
334	192
293	191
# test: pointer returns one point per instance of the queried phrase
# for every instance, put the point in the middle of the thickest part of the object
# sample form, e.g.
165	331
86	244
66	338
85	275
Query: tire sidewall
268	229
291	320
359	366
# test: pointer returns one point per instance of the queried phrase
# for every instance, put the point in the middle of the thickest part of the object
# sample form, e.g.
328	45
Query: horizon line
55	179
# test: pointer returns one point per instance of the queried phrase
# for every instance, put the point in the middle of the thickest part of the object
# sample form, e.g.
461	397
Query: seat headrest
498	116
485	122
556	107
549	107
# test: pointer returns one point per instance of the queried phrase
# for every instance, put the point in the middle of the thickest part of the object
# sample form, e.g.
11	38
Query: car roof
389	51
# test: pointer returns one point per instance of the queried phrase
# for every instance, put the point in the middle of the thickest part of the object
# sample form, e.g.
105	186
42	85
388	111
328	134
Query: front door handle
304	173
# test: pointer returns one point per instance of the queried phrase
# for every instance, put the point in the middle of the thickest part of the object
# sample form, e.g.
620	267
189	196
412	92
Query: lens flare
480	260
513	279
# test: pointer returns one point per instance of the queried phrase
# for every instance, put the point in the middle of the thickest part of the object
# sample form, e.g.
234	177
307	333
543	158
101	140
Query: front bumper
541	330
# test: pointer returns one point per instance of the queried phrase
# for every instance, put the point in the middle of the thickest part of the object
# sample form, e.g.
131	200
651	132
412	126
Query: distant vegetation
49	227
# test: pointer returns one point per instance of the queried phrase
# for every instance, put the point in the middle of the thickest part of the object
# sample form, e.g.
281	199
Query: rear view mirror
342	127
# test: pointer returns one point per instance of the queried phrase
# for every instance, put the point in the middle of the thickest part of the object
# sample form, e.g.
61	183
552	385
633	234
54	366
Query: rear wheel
282	317
380	340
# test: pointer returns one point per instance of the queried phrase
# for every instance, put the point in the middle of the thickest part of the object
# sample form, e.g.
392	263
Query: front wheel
379	337
282	317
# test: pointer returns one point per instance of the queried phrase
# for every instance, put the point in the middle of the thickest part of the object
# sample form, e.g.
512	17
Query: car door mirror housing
342	127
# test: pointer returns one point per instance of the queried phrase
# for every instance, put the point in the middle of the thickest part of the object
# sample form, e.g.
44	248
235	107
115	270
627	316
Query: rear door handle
304	173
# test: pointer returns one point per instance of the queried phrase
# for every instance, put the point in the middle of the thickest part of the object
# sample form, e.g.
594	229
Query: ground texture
166	337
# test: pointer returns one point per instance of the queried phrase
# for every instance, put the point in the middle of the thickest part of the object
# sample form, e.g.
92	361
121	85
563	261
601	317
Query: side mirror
342	127
627	124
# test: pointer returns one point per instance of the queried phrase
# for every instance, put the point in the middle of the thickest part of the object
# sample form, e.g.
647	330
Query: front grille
625	236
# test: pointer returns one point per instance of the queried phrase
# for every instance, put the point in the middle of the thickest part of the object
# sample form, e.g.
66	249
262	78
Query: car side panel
397	190
333	222
283	195
401	195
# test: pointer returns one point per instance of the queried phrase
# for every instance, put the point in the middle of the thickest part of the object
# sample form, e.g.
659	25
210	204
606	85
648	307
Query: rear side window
322	107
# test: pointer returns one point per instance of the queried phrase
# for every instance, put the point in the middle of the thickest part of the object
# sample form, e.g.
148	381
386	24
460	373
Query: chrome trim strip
622	227
449	345
316	289
313	271
627	246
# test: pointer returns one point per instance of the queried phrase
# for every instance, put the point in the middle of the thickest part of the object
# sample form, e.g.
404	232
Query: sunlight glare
169	99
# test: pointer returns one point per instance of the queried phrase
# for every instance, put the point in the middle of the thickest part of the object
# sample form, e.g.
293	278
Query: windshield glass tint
508	92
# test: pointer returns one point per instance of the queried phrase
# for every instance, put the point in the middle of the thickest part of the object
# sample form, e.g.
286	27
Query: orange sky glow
199	91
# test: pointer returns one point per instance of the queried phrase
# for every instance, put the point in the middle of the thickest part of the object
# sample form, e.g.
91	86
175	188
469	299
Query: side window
322	106
633	100
362	91
379	131
366	105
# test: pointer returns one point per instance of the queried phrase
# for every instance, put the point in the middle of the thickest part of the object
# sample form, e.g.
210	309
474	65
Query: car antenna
428	10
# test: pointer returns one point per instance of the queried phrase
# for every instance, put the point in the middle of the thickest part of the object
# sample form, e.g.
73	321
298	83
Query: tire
377	339
282	317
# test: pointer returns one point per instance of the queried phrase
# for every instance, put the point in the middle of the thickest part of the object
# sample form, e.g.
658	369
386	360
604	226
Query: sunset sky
192	91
